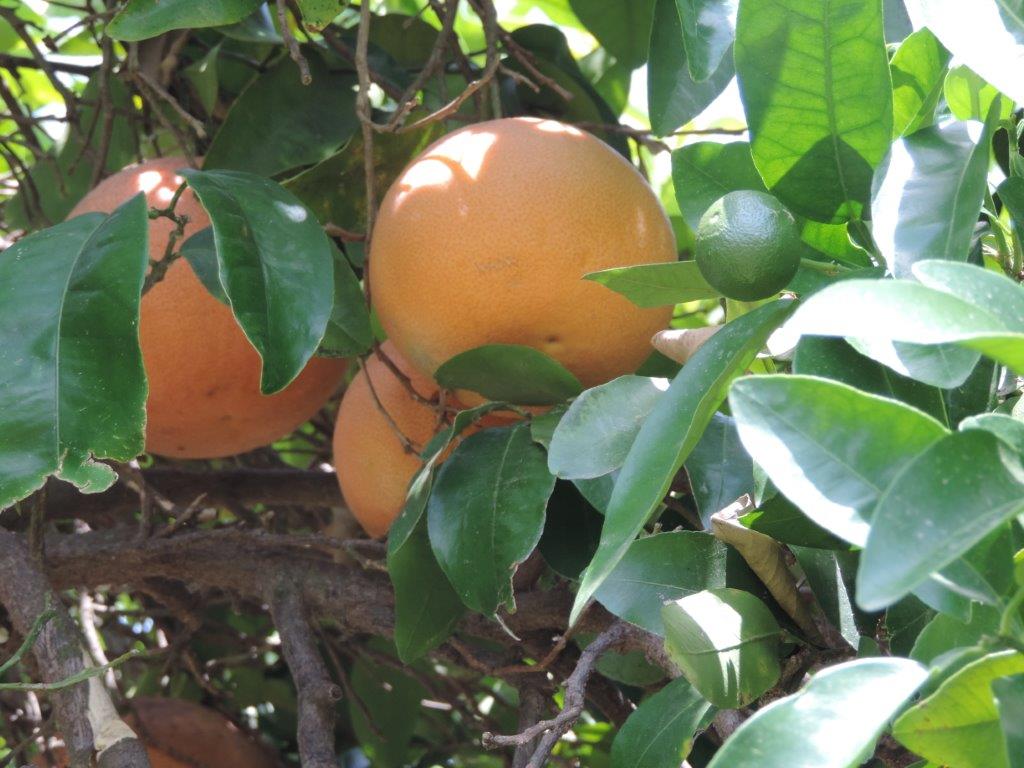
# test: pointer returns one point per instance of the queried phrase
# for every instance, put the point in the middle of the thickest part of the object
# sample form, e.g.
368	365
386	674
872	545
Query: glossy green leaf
426	607
1006	428
1009	692
959	724
726	642
927	194
595	434
970	97
814	79
656	285
704	171
317	14
779	518
833	722
510	372
986	35
671	432
918	73
709	28
310	121
201	253
486	513
660	732
348	331
623	27
335	190
275	265
927	504
830	578
830	448
666	566
72	385
140	19
719	468
202	74
673	96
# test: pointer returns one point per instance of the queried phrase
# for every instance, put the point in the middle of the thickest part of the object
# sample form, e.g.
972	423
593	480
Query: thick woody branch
84	713
317	693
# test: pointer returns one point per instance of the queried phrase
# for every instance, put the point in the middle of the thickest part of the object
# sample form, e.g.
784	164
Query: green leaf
140	19
335	189
595	434
1009	692
958	725
426	607
826	574
1011	194
927	194
833	722
201	253
945	633
348	331
486	513
384	711
660	732
510	372
317	14
202	74
814	79
782	520
879	312
709	28
970	97
72	385
719	468
670	433
656	285
986	35
704	171
623	27
726	642
655	569
830	448
673	96
925	504
918	72
571	531
310	121
275	265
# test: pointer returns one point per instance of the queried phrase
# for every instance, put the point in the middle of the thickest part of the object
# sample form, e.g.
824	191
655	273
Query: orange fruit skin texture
204	375
485	239
374	470
182	734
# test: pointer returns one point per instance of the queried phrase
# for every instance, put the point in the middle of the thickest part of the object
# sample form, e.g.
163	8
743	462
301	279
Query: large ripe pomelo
374	469
486	236
204	375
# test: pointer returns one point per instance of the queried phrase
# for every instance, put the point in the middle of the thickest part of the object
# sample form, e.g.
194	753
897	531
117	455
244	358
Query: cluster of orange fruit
483	239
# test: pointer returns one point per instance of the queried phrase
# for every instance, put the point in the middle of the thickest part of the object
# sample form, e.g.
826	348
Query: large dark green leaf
673	96
426	606
595	434
656	285
623	27
1009	692
709	28
918	72
275	265
201	253
140	19
927	194
814	79
660	733
719	468
726	642
832	723
671	432
486	512
309	122
987	35
830	448
510	372
706	170
72	386
958	725
666	566
944	501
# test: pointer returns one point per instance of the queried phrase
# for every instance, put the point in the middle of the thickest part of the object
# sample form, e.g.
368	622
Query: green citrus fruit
748	246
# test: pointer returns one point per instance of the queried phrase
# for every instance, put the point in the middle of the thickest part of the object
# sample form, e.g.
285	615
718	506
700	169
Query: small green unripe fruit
748	246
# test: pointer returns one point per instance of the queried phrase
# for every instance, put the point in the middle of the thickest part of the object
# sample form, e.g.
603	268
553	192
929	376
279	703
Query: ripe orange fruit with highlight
181	734
204	375
486	236
374	469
